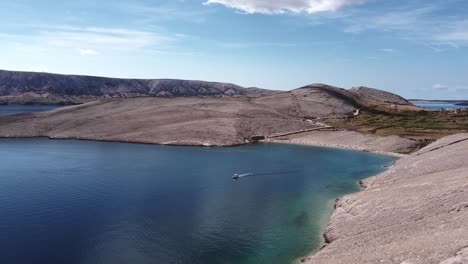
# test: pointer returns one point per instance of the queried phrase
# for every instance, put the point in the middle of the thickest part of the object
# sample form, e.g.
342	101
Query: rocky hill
210	121
46	88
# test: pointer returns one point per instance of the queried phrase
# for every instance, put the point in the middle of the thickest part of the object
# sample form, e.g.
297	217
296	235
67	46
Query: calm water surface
21	109
94	202
439	105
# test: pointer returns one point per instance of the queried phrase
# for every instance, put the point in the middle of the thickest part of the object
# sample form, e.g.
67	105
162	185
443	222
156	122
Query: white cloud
283	6
88	52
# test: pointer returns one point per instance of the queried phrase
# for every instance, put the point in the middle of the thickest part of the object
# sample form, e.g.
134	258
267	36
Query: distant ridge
18	87
379	95
48	88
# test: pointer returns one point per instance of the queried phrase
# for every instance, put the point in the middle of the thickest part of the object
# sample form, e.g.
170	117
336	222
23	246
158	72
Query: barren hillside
46	88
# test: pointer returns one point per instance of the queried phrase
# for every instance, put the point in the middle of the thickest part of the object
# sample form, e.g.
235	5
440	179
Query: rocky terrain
191	120
379	95
181	121
46	88
414	213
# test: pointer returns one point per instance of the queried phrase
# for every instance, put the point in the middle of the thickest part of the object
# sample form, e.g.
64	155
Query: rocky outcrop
416	212
372	94
47	88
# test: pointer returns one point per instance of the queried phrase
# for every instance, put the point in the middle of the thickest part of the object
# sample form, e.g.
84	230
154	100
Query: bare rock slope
189	120
379	95
220	121
180	121
46	88
415	213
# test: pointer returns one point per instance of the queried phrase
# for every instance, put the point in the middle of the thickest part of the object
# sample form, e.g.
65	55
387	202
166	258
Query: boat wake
251	174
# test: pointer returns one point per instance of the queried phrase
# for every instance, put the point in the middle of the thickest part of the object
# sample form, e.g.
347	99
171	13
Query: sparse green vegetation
420	125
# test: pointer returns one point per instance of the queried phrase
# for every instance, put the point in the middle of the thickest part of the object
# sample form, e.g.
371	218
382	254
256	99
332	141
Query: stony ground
352	140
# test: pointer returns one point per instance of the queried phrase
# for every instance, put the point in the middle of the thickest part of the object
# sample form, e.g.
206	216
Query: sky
416	48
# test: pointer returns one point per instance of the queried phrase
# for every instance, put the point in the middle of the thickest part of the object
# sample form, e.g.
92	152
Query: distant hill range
47	88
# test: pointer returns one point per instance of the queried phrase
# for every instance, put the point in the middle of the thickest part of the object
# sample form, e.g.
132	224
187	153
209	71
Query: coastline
343	139
336	146
298	139
397	216
344	226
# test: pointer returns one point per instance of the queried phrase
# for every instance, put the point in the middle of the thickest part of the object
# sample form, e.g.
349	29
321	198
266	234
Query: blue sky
417	48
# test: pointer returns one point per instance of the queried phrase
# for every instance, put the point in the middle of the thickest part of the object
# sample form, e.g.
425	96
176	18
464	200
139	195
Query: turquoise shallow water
96	202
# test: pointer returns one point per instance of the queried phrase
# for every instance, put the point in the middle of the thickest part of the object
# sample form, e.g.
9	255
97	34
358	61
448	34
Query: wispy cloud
456	33
113	38
241	45
461	88
439	86
170	11
88	40
401	18
284	6
414	20
446	87
388	50
88	52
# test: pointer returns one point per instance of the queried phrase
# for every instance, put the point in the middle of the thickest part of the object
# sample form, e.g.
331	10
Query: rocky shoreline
414	213
332	138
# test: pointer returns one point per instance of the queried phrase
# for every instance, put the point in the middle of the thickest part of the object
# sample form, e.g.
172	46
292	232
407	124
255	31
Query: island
416	212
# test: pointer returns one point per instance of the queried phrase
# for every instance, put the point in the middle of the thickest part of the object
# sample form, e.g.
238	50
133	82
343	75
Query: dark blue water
22	109
95	202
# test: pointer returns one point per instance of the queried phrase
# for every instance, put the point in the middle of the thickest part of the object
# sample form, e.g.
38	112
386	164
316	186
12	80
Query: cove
68	201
